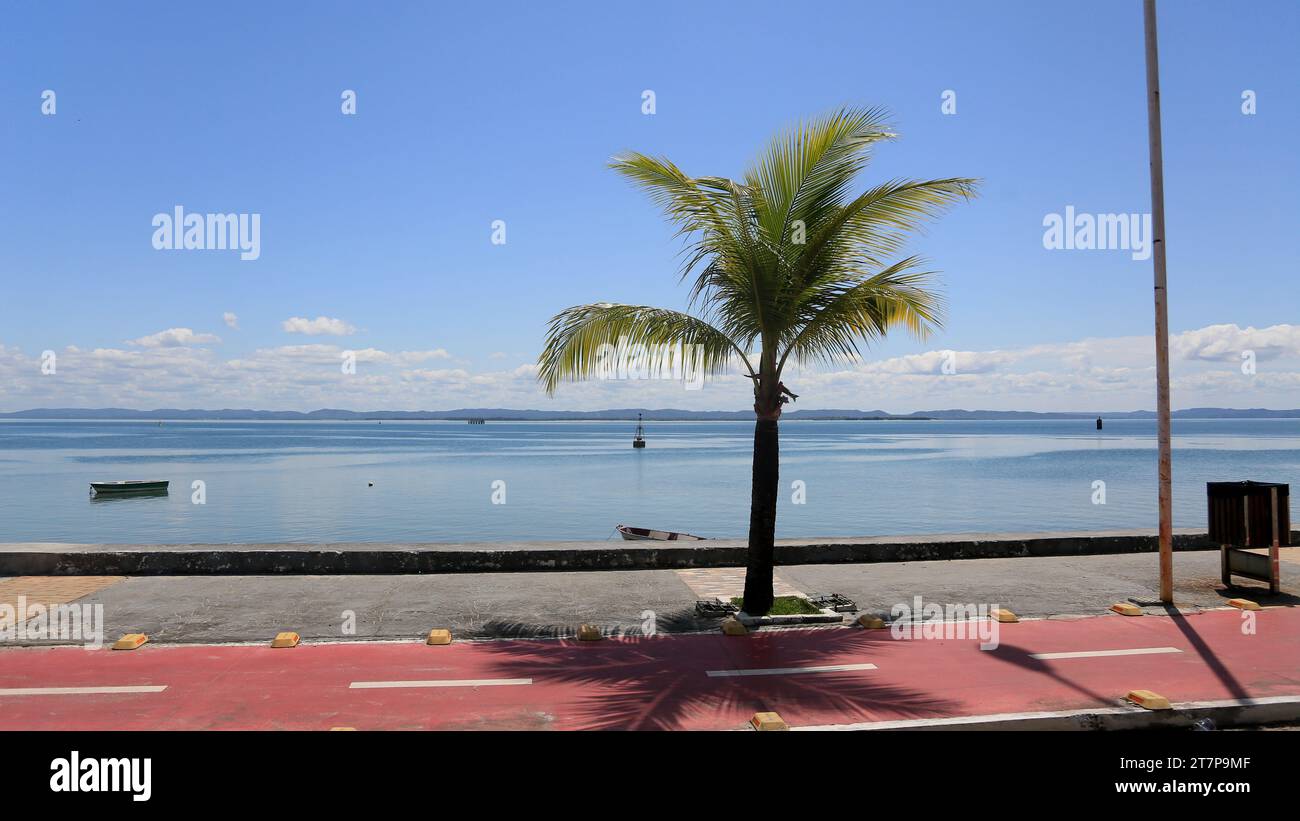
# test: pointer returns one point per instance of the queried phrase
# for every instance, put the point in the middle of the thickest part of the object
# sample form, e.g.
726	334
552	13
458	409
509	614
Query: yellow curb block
1006	616
768	721
589	632
733	627
130	641
1148	700
872	622
285	640
1126	608
1244	604
439	636
336	729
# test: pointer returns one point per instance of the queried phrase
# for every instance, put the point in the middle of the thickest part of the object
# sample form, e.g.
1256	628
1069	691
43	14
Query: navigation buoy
639	441
1098	423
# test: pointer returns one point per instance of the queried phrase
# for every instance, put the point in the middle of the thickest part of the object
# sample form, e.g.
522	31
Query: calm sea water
433	481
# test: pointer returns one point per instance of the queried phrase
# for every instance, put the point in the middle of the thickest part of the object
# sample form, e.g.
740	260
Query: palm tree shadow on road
638	682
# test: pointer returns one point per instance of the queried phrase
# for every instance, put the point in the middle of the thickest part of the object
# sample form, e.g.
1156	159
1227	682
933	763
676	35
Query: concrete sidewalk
193	609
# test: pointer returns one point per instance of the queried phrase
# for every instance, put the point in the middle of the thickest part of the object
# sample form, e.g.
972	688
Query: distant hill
657	414
496	414
1186	413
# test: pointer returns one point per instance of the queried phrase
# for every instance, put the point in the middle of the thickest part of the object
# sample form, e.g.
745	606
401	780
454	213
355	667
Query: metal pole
1162	306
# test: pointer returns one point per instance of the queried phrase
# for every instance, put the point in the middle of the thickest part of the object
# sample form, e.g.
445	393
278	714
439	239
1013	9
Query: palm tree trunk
762	517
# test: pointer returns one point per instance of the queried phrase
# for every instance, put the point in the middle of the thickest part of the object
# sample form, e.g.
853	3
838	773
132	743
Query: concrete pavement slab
487	605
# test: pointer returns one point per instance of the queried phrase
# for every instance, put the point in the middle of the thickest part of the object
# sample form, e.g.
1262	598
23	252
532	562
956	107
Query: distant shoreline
14	418
615	415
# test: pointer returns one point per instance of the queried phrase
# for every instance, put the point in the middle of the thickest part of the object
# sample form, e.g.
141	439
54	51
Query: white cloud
320	326
403	358
437	375
174	338
932	362
1115	373
231	320
1225	343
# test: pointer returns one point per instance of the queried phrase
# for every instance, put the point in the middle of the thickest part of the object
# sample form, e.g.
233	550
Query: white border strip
80	691
462	682
1000	720
1089	654
789	671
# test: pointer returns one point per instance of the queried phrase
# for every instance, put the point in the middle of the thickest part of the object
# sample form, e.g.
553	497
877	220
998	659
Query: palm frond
701	208
809	168
581	339
838	317
684	201
876	223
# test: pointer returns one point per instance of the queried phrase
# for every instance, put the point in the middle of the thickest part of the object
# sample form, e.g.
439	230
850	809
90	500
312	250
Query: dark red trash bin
1245	516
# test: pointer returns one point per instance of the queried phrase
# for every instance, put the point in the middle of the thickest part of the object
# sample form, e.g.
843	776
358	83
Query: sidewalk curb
1225	713
368	558
824	617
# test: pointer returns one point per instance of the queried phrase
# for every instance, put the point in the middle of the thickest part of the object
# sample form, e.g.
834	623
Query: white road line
79	691
463	682
1268	709
1088	654
786	671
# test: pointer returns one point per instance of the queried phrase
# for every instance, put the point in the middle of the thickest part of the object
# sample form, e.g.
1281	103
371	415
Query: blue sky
382	220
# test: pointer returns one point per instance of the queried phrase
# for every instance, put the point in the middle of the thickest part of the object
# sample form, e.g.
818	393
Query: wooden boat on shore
129	486
642	534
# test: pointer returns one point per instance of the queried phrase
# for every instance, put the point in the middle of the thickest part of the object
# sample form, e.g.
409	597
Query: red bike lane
700	682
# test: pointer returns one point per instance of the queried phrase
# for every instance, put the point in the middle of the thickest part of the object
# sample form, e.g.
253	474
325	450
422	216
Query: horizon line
480	411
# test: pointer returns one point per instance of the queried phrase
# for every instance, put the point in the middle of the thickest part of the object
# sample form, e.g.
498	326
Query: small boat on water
642	534
136	486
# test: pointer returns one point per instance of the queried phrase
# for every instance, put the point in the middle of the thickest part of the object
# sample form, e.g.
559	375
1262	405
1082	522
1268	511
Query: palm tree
786	260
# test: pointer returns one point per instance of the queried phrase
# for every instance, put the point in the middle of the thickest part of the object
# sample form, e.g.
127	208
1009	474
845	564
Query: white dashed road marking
787	671
462	682
1089	654
80	691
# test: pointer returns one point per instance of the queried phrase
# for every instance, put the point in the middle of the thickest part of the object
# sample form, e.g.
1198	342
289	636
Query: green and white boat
129	486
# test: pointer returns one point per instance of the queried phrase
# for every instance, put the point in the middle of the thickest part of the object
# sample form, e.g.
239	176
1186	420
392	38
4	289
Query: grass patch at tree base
785	606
